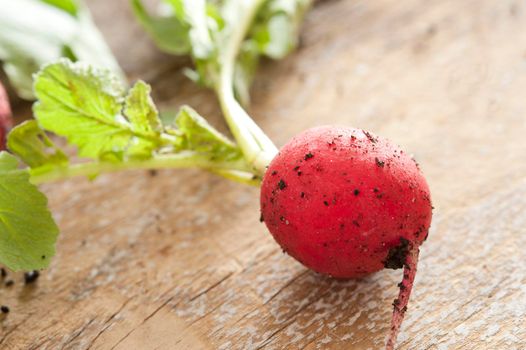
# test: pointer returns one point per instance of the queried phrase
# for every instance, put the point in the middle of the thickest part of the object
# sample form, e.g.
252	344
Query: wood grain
179	260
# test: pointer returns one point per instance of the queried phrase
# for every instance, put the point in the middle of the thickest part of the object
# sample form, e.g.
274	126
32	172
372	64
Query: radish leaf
31	144
201	137
69	6
27	230
89	107
84	105
168	32
36	32
141	110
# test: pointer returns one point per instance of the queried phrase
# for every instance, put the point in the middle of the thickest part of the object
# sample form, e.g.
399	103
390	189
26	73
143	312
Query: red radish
5	117
346	203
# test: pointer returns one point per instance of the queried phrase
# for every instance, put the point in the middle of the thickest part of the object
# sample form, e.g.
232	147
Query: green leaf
246	66
206	25
36	32
144	119
196	16
32	145
86	106
83	104
169	33
69	6
274	34
201	137
276	28
27	230
141	110
188	28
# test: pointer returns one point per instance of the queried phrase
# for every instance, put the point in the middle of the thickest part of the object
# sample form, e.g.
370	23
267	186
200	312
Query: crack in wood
4	337
81	330
289	283
199	319
107	323
166	303
143	321
212	286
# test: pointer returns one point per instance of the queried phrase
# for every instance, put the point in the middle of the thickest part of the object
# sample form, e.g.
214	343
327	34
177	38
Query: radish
5	117
347	203
342	201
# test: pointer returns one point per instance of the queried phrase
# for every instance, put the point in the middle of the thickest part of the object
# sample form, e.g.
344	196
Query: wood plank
179	261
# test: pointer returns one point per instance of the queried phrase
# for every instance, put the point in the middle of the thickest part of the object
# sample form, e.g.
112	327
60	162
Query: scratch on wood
143	321
80	331
4	337
290	282
212	286
167	302
107	323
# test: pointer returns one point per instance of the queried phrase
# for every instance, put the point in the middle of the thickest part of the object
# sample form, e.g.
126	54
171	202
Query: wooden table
180	261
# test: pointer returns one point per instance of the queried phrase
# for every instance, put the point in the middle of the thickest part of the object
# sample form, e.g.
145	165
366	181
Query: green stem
257	148
236	171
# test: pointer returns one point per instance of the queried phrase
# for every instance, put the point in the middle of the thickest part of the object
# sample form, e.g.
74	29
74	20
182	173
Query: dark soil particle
379	163
31	277
309	156
153	172
273	173
261	218
416	163
370	137
3	272
9	283
282	184
397	255
356	192
4	309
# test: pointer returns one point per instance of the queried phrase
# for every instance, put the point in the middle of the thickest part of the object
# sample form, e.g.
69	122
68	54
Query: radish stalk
257	147
236	171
